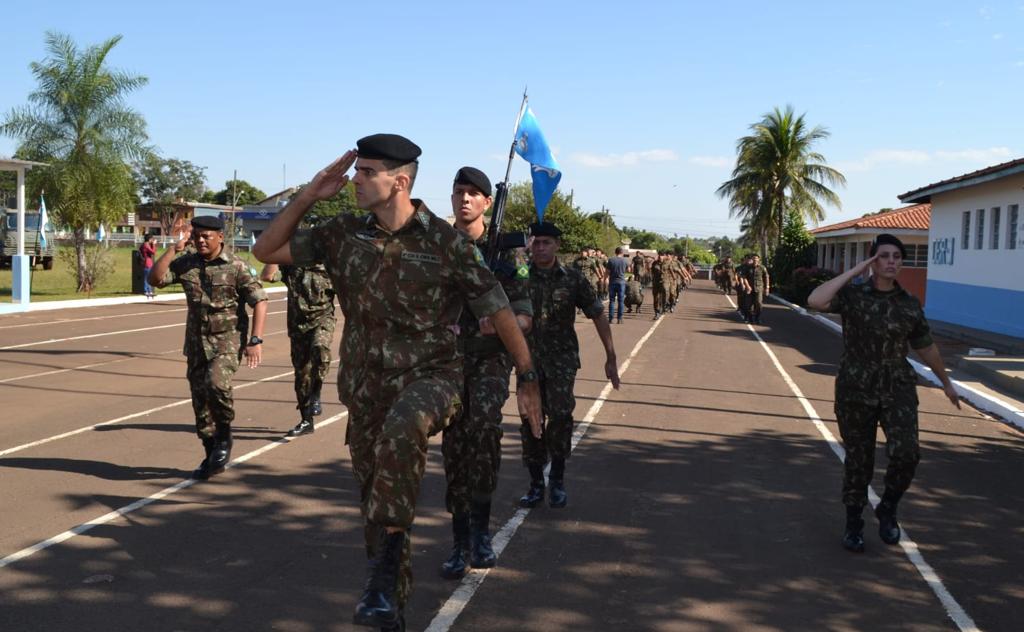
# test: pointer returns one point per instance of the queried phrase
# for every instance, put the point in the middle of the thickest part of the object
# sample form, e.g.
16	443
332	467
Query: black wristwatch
255	340
526	377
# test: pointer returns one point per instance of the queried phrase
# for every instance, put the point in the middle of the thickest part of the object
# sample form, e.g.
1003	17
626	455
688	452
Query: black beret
388	147
544	229
475	178
212	222
885	239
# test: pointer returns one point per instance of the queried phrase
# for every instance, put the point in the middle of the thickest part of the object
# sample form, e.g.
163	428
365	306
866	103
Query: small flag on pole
43	221
101	234
533	147
252	239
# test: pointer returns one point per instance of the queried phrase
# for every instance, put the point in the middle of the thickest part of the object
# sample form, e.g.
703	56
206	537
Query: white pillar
21	210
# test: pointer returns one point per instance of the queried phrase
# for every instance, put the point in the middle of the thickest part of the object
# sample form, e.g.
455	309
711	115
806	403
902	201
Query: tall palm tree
78	122
778	170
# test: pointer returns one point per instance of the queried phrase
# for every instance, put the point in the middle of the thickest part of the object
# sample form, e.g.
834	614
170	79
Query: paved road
702	496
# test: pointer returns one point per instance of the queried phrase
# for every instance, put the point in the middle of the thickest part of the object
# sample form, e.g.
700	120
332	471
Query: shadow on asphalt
99	469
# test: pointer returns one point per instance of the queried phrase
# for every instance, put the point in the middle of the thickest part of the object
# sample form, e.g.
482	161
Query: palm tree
78	122
777	170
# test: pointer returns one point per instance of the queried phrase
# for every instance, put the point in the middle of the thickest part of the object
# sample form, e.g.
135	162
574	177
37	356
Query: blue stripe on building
987	308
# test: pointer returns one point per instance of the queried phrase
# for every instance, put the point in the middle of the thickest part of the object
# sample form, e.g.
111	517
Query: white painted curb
988	403
14	308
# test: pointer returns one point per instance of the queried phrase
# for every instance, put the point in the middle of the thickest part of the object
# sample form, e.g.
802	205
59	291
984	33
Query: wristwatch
526	377
255	340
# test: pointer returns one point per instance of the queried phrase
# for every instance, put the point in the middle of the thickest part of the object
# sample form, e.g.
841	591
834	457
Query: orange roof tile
916	217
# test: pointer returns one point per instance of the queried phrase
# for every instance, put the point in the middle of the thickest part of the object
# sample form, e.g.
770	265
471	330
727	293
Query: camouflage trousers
743	302
755	299
558	402
391	417
858	425
472	442
661	297
210	383
311	358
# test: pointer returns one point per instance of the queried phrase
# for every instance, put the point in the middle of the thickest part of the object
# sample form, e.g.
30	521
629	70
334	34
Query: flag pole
501	194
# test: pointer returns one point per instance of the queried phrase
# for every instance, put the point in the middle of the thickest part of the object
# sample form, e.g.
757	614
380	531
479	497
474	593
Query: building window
965	232
917	256
979	229
995	228
1011	227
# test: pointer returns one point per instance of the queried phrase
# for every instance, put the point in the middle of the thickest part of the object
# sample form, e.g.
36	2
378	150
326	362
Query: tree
78	122
796	249
247	194
577	230
163	181
641	239
342	203
777	170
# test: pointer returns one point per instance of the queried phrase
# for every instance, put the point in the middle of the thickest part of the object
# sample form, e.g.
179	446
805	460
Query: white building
976	265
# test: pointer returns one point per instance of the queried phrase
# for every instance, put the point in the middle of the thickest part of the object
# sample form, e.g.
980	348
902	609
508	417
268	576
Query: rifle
496	241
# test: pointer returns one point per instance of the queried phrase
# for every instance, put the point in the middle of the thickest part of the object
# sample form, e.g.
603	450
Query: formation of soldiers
751	282
432	334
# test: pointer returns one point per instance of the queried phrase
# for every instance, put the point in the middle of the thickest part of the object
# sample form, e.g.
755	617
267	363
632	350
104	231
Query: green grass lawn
59	283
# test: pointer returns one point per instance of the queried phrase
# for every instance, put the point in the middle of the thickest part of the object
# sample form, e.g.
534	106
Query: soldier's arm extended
587	301
248	287
821	298
933	359
273	245
158	273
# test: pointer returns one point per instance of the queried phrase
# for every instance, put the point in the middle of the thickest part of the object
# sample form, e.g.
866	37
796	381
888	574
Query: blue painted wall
990	309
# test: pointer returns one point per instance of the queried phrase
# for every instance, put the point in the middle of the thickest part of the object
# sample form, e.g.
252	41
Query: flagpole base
21	279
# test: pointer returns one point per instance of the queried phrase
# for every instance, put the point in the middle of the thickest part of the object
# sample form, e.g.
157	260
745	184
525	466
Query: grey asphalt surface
701	497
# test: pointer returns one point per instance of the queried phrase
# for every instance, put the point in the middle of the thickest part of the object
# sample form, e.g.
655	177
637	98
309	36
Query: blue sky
642	101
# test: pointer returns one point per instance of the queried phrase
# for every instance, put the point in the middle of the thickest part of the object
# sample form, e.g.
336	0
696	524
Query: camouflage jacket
878	328
310	297
587	267
756	276
513	273
556	293
637	265
217	322
401	292
659	272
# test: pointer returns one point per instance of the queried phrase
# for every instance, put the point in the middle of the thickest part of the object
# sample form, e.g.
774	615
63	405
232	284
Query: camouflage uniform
588	269
472	441
728	276
556	293
216	330
876	384
401	293
638	267
757	277
311	323
742	295
660	279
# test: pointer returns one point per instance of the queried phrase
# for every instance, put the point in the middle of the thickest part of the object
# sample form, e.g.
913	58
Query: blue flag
531	145
101	234
43	220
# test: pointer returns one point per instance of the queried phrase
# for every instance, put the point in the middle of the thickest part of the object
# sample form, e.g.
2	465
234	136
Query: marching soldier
403	277
311	323
556	293
214	282
472	442
757	281
876	385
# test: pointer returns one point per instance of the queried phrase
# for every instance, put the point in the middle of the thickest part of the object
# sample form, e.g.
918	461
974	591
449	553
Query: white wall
996	268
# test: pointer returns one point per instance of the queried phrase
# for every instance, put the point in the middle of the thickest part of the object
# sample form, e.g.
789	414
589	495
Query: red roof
917	217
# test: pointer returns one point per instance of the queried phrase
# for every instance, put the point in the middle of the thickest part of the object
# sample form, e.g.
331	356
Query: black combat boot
888	528
535	494
557	498
315	407
853	537
221	453
397	627
481	555
455	566
203	471
378	606
305	425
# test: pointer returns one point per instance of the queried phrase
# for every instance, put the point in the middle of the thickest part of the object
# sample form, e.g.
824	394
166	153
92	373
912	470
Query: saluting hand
861	267
332	178
181	229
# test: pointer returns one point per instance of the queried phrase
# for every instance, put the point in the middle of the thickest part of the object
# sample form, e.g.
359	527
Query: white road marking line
142	502
143	413
101	335
108	362
460	598
953	608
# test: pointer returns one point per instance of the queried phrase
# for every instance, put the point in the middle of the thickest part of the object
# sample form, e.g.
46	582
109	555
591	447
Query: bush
99	265
803	281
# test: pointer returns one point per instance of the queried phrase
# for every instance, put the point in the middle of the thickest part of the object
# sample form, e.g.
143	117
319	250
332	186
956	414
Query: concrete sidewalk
18	308
984	386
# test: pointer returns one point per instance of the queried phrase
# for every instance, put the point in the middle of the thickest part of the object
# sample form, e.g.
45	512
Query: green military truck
9	233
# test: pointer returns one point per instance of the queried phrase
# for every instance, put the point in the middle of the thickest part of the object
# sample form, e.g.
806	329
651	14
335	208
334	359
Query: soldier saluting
876	385
403	277
214	281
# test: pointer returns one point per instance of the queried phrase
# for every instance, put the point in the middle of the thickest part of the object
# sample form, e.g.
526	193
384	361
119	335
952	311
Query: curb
13	308
983	401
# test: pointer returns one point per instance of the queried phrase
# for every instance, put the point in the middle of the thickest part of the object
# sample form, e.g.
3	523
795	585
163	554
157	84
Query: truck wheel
48	263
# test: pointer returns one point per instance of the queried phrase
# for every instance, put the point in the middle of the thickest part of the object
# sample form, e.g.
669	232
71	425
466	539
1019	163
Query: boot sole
374	620
450	575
